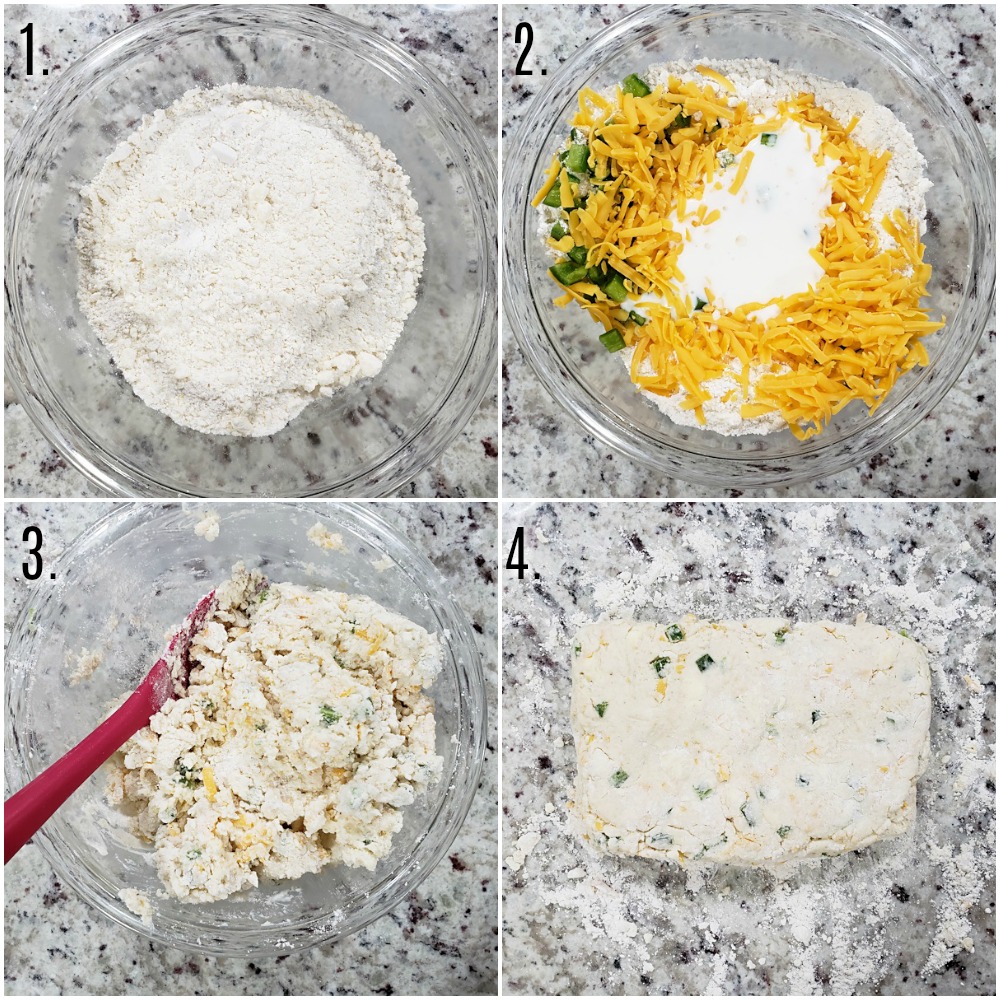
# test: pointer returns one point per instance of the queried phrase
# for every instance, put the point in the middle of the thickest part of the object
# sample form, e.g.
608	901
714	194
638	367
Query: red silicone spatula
26	810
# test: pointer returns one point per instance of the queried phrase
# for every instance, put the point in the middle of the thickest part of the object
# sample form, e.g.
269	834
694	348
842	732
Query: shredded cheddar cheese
850	337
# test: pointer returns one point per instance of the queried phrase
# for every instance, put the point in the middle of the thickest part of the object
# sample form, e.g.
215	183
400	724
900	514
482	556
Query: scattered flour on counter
324	538
245	251
208	527
522	848
833	927
381	565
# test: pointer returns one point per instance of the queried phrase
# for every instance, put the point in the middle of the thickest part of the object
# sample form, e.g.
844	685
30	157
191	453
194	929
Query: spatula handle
26	810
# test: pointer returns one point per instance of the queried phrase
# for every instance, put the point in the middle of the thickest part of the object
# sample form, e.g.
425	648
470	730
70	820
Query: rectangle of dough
746	742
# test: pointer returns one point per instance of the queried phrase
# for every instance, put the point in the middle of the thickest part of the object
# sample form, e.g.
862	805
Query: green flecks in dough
577	649
659	664
195	852
189	777
743	809
329	715
675	633
601	708
702	791
779	636
619	778
704	662
784	831
661	838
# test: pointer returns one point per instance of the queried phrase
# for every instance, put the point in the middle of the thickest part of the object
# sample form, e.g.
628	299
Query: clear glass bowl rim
810	459
470	381
461	650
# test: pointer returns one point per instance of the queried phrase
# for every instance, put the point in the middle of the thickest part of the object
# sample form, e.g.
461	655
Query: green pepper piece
699	304
553	199
576	159
637	319
568	273
557	232
615	289
704	662
612	340
769	139
578	255
633	85
596	276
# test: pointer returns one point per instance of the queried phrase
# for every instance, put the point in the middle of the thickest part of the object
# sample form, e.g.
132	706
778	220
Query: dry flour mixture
245	251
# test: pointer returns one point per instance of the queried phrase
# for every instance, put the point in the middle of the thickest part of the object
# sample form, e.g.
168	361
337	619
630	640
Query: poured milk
758	249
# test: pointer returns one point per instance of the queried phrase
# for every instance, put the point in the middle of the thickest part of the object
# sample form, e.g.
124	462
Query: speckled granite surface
898	918
456	42
441	940
951	453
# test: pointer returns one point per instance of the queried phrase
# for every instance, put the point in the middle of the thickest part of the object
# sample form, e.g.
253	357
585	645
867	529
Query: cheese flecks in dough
747	743
303	735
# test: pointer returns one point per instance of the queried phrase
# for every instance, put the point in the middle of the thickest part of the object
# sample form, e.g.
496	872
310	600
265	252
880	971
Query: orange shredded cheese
849	338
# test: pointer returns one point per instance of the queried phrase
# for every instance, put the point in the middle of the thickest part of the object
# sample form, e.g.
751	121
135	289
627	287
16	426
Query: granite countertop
442	939
908	916
952	453
456	42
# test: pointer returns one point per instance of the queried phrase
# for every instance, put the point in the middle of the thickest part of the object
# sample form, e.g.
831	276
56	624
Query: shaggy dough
303	734
746	743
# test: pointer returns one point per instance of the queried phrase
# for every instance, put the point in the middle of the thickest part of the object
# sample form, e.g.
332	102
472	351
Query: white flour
837	926
245	251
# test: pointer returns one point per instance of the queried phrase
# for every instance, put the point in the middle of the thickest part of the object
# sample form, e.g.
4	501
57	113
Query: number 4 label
515	558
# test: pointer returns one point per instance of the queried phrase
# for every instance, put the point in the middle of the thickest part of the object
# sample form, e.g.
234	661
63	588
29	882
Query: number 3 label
33	572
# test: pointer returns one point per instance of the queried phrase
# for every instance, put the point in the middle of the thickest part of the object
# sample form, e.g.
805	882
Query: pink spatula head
26	810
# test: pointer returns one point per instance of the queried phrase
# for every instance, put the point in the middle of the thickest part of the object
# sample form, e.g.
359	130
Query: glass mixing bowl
838	43
367	439
123	584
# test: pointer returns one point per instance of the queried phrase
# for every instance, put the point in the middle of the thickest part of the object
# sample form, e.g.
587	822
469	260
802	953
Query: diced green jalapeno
619	778
568	273
601	708
769	139
612	340
704	662
615	289
699	304
659	664
779	636
557	232
633	85
675	633
784	831
578	255
576	159
553	199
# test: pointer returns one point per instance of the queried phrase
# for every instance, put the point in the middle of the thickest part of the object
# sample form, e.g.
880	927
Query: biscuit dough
303	735
746	743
